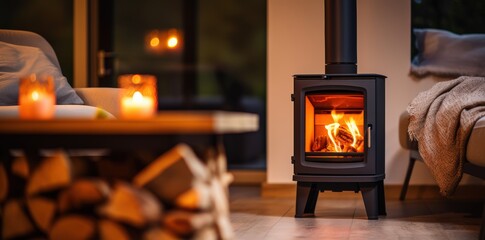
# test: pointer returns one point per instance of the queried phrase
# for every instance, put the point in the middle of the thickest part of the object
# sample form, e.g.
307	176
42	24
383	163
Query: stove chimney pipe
340	37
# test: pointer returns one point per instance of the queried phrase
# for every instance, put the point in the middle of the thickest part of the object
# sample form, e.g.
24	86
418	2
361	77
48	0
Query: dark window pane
52	19
457	16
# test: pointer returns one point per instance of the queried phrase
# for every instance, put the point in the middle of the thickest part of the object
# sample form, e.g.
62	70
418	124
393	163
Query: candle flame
35	95
137	97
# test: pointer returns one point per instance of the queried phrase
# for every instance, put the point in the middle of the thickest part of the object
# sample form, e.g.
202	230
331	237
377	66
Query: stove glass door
334	127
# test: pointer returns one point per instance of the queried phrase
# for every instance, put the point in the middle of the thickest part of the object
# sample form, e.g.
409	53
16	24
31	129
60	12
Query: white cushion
63	111
447	54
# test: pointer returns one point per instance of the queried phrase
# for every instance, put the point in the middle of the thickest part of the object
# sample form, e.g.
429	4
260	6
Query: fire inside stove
334	127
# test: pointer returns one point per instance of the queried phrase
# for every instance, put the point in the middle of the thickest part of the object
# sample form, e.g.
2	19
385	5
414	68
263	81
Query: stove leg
370	194
382	198
306	199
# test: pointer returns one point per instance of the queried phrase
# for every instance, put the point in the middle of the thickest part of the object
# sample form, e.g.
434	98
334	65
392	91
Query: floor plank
255	217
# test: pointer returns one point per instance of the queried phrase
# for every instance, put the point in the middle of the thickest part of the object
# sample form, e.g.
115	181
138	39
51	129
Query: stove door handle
369	128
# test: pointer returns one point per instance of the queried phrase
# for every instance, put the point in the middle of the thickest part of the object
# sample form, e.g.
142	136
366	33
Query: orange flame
333	130
354	130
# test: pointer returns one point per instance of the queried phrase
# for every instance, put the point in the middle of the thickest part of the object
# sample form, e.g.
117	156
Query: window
456	16
219	64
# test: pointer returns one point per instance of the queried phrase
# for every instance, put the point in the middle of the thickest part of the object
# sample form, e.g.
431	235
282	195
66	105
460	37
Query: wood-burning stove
339	122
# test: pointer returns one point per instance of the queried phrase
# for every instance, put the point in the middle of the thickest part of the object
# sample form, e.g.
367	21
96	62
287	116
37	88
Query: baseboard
248	177
392	192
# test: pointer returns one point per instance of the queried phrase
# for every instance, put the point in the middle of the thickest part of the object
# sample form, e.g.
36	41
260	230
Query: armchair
474	162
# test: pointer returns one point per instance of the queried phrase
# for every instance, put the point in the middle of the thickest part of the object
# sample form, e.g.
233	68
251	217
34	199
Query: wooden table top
166	122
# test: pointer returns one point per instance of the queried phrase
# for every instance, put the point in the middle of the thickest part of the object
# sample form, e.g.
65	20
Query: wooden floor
254	218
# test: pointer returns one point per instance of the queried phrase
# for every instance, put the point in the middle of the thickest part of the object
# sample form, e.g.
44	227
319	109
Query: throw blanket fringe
441	120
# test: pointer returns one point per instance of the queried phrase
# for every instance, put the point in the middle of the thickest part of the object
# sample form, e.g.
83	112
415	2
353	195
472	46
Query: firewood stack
176	196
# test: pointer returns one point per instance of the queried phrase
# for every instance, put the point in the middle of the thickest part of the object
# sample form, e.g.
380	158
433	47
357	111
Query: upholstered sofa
475	156
475	150
27	52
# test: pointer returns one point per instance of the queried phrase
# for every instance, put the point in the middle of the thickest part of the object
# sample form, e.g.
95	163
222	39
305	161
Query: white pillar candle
138	98
137	106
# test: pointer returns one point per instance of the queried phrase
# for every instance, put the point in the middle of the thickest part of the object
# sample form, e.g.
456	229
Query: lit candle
36	98
137	106
138	96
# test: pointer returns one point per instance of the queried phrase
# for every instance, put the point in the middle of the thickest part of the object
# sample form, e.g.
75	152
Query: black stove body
339	122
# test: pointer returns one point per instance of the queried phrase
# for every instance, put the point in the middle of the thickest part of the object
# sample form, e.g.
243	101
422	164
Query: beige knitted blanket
441	120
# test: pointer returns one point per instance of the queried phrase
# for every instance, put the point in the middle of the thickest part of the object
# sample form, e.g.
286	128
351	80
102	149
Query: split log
221	160
173	173
344	136
3	183
207	233
82	166
42	211
53	172
196	198
20	167
319	143
185	223
220	201
16	223
330	146
82	193
224	228
131	205
217	161
360	145
73	227
109	230
159	234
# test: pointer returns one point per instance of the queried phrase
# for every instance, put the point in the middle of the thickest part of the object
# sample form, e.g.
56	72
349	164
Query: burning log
73	227
16	223
344	136
52	173
360	144
319	143
42	211
344	142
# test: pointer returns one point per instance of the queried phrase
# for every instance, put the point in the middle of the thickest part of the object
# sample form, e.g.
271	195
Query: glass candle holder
37	97
138	96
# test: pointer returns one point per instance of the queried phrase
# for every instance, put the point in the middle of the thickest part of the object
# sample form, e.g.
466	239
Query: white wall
296	45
